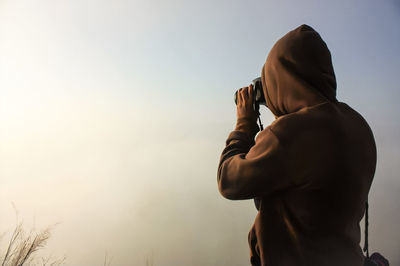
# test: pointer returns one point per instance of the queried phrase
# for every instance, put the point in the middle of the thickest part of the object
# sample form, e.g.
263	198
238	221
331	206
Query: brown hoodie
311	169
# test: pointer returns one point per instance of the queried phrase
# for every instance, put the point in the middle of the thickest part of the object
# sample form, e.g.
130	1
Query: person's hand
246	115
245	109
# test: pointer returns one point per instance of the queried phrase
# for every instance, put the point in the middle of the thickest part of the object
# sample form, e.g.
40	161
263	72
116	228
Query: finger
238	99
250	93
242	100
245	93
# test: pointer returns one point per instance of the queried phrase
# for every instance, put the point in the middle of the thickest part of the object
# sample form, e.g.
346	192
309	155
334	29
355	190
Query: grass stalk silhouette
22	248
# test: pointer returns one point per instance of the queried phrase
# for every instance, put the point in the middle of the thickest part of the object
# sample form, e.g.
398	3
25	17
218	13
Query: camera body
258	94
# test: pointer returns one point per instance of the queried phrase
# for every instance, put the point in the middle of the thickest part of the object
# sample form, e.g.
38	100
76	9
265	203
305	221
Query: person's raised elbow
230	183
223	185
229	189
226	191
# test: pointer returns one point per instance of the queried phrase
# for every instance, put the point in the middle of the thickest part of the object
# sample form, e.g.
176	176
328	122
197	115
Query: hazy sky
113	115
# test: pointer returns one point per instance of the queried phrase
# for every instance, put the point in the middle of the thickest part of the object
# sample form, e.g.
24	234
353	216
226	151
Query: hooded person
311	169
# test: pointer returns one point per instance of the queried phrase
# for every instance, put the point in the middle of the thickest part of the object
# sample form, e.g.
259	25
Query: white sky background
113	115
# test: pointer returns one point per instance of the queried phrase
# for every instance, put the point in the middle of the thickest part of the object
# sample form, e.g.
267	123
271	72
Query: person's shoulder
348	111
355	122
332	118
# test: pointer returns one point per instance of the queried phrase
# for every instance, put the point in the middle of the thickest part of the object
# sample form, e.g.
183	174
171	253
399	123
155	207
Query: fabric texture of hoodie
310	170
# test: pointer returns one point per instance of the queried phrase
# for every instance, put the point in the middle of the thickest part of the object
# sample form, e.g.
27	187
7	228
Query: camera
258	94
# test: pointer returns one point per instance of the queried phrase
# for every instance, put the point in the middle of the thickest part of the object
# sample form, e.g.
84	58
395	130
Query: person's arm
249	169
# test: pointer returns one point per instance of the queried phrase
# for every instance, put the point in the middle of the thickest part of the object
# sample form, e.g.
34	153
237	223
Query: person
310	170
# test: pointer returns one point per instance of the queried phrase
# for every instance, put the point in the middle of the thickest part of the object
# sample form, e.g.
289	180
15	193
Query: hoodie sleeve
249	169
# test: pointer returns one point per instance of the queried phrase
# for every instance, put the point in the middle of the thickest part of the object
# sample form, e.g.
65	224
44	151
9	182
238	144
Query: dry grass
107	260
22	248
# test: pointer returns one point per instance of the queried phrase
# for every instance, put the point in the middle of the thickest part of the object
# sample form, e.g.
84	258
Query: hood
298	72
